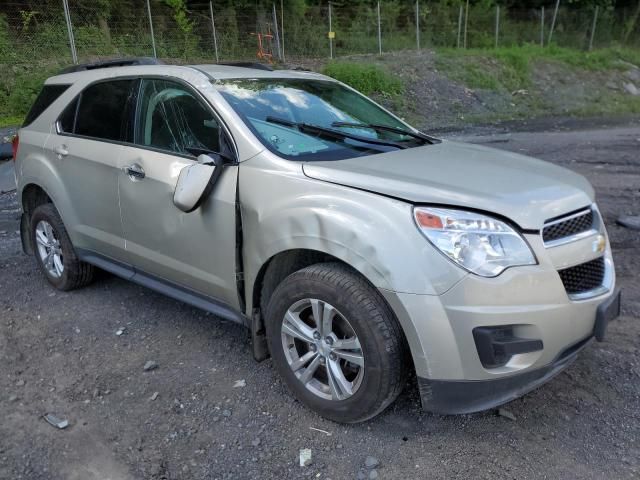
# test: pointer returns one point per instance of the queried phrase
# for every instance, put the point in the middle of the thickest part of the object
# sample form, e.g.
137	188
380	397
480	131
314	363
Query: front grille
571	226
583	277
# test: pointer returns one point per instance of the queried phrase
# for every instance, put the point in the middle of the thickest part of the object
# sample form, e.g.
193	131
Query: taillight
14	146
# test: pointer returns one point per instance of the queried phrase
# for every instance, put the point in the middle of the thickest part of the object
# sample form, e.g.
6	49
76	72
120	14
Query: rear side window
67	121
102	112
46	97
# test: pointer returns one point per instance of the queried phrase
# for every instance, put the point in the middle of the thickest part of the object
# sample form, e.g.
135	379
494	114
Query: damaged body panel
341	236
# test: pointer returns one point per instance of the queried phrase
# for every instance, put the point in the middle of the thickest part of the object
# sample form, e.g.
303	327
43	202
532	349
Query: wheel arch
284	263
32	196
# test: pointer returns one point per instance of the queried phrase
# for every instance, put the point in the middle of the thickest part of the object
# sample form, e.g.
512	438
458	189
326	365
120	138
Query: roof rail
254	65
117	62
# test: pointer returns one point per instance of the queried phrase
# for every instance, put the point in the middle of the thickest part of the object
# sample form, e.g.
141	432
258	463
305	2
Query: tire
354	306
74	273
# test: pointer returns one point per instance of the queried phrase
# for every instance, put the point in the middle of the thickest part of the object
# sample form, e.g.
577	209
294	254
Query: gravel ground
60	353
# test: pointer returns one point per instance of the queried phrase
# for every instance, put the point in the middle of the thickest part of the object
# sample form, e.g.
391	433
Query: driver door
196	250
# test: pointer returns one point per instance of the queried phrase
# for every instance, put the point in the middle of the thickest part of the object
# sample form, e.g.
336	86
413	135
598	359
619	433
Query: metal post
153	38
553	21
282	26
542	27
466	24
418	24
330	34
593	27
72	41
379	32
275	26
497	23
459	26
213	31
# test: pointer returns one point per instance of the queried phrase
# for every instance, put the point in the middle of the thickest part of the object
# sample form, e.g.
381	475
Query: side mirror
196	181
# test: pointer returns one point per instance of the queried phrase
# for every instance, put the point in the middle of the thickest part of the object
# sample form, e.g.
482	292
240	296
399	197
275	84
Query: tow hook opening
497	345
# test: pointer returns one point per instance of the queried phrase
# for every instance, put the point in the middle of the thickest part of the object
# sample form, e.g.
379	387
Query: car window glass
103	110
171	118
46	97
314	102
66	122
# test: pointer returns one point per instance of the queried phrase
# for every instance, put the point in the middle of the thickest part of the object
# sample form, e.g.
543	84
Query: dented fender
284	210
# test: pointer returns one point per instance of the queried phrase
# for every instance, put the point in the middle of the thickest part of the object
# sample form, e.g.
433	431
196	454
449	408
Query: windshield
277	110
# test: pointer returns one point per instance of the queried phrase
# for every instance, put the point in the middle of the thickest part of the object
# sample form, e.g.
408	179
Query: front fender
284	210
313	224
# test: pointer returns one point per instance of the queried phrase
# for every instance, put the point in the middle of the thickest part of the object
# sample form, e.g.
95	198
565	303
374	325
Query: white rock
305	457
631	88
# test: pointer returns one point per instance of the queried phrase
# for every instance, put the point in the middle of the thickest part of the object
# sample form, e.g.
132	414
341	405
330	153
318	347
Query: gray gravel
58	353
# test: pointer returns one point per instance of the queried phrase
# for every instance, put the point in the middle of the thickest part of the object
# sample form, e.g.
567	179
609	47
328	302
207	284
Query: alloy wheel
49	249
322	349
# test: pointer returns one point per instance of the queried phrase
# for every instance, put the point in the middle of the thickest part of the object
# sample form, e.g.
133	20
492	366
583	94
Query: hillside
453	89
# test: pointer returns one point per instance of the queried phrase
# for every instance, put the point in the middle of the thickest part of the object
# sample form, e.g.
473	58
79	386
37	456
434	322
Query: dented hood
523	189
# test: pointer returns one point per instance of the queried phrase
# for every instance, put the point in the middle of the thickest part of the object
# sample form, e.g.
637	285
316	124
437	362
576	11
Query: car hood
525	190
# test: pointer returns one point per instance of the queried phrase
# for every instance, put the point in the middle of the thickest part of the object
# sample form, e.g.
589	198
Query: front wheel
336	343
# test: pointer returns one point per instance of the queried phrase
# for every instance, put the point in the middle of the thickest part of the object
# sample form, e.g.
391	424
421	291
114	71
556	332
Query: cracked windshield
314	119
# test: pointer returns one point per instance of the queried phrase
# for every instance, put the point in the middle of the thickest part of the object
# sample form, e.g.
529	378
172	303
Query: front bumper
530	302
468	396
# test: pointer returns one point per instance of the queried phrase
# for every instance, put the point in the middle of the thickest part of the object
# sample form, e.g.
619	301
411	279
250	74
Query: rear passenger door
195	250
86	145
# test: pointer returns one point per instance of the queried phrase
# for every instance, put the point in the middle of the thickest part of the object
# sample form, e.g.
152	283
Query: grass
510	67
10	120
366	78
614	104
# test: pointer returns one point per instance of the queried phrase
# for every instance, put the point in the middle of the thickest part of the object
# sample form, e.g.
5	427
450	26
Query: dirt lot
59	353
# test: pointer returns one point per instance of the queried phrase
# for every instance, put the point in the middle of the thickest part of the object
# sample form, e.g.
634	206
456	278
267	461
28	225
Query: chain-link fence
65	31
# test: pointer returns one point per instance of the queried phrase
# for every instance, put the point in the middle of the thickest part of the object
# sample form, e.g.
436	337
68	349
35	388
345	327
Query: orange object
263	52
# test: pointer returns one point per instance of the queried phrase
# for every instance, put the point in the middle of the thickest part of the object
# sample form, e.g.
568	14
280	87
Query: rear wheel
336	342
54	252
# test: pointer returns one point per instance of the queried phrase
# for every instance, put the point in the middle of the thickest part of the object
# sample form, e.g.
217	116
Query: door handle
61	151
135	172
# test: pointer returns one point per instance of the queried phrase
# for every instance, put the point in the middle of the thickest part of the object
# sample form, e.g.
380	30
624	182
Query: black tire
75	273
381	338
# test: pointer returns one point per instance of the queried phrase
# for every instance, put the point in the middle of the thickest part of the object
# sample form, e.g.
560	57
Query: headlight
483	245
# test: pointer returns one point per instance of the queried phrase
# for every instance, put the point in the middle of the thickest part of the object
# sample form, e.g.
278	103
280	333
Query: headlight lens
483	245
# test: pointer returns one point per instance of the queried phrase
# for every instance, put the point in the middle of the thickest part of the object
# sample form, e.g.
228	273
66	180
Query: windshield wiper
332	134
387	128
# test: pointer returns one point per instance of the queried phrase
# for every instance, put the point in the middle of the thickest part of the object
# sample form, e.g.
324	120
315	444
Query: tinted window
171	118
46	97
66	122
103	110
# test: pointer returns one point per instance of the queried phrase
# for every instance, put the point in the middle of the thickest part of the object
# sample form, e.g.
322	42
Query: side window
102	112
67	121
171	118
46	97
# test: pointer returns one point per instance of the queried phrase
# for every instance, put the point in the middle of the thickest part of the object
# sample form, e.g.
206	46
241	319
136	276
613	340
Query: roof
215	71
222	72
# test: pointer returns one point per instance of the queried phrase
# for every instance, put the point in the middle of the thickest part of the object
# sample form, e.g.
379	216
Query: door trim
170	289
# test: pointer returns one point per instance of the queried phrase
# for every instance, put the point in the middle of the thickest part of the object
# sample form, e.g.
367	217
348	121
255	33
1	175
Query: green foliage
185	26
180	15
366	78
19	90
5	45
510	67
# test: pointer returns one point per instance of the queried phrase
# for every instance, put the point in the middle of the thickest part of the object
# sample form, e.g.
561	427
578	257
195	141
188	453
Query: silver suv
356	249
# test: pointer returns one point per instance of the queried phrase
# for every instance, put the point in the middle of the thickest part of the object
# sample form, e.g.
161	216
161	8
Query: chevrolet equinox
355	248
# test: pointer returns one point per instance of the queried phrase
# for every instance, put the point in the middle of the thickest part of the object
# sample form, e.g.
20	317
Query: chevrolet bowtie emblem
599	244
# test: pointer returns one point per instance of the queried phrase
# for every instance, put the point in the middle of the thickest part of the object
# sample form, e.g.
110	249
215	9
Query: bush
367	79
19	90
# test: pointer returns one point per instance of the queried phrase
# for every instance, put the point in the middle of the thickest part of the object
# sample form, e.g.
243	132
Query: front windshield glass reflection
266	105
